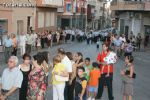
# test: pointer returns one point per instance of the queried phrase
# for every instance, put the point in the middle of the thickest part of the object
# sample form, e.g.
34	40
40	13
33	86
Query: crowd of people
38	40
73	76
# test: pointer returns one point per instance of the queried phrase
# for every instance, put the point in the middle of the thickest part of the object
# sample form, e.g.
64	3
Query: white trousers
22	49
58	91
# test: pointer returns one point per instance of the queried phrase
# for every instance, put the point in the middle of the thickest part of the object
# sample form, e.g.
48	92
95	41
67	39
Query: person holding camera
127	78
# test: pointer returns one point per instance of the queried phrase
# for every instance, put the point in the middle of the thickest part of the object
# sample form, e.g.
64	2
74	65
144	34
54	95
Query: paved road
142	81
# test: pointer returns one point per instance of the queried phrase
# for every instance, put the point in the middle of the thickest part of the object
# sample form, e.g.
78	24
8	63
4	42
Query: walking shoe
89	98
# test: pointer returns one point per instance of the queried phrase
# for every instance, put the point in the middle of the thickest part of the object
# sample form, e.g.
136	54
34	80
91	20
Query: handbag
61	78
128	73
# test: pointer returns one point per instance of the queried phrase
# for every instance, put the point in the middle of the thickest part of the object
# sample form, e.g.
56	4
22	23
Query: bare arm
80	64
131	71
11	91
83	91
64	74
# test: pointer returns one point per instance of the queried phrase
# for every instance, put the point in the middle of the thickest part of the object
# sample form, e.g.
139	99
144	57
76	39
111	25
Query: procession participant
22	43
28	43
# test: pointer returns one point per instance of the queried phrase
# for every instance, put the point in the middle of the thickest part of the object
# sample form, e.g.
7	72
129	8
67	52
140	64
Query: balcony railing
127	5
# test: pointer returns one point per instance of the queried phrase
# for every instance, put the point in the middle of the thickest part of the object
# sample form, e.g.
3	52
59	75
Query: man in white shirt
122	38
34	37
65	60
29	43
11	81
22	43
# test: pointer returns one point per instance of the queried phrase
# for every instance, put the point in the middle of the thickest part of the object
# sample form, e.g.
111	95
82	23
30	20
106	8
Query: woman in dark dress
25	68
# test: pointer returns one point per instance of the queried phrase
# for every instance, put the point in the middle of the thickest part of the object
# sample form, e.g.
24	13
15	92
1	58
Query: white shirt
22	40
67	64
29	39
34	36
123	39
11	78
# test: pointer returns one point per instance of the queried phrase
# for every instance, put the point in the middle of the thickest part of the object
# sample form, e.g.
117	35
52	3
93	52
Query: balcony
128	5
49	3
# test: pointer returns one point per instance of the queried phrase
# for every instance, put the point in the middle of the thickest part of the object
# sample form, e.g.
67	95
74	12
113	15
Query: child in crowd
80	85
93	82
88	67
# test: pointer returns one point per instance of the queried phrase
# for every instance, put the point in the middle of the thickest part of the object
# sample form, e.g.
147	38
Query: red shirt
100	58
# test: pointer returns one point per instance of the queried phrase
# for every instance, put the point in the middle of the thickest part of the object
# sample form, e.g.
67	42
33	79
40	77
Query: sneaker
89	98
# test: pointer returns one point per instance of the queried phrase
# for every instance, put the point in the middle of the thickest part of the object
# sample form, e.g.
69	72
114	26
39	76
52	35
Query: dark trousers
14	52
71	90
7	53
127	54
108	81
88	40
28	48
139	45
73	38
42	42
77	98
66	91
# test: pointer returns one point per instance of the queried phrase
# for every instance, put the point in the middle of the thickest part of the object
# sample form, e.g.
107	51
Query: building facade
131	15
16	16
98	14
46	14
73	14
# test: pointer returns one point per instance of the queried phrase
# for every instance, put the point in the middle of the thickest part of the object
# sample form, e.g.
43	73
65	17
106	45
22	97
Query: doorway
126	31
19	26
65	23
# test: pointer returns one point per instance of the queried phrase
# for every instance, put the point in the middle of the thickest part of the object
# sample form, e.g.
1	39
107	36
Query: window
68	7
20	26
40	19
48	19
52	19
3	26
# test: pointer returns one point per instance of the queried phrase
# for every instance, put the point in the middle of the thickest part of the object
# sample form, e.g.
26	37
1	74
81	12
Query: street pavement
142	68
